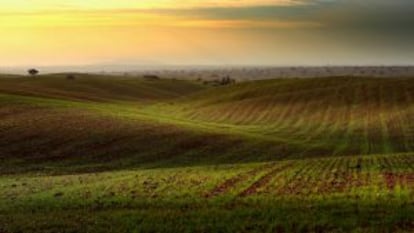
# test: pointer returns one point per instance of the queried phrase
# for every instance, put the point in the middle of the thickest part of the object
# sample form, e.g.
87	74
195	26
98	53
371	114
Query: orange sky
75	32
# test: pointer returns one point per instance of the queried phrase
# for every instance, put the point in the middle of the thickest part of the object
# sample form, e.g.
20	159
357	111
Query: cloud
380	16
141	19
34	5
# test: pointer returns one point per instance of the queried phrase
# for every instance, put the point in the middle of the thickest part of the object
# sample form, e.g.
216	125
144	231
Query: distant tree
33	72
70	77
227	81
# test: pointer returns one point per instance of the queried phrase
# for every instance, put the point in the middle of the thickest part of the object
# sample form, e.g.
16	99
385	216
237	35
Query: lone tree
33	72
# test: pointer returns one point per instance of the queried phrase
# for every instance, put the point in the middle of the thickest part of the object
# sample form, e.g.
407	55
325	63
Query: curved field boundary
262	181
229	184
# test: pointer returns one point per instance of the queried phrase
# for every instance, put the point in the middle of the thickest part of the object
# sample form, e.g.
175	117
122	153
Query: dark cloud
351	32
340	14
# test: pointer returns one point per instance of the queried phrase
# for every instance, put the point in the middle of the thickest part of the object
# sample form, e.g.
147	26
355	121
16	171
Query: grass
122	154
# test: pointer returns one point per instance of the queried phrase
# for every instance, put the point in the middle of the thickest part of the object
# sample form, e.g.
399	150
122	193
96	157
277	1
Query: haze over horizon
190	32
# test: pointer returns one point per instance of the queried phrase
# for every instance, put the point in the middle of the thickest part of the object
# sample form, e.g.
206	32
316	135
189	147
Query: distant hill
237	72
97	87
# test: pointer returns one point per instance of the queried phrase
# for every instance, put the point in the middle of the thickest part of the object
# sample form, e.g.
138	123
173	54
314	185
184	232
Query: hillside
347	116
97	88
110	154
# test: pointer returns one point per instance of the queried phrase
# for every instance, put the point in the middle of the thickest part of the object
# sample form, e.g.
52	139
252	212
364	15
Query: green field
124	154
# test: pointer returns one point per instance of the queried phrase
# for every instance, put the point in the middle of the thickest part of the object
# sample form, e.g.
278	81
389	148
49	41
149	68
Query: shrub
70	77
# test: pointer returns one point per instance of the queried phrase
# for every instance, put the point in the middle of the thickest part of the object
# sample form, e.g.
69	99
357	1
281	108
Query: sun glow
141	19
79	32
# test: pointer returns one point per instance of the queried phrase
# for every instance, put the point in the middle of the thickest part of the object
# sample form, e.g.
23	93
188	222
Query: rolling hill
124	154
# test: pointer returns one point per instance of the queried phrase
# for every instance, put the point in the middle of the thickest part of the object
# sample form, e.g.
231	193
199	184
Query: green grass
123	154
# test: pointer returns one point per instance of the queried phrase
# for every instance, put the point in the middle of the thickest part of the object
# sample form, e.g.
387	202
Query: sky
210	32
